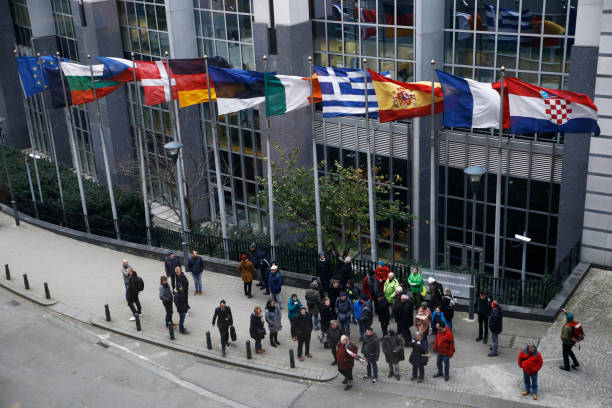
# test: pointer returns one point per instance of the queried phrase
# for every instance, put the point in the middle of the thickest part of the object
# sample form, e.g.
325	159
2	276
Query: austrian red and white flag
535	109
153	77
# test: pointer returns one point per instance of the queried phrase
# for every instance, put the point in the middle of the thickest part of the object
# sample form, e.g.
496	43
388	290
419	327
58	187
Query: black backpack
139	284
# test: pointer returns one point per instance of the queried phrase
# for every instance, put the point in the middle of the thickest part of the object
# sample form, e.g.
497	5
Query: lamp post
173	151
525	239
475	174
8	176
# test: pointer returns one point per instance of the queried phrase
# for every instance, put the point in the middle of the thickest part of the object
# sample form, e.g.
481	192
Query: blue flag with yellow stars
32	79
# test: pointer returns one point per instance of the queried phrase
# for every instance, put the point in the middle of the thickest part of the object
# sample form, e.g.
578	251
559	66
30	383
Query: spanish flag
190	78
402	100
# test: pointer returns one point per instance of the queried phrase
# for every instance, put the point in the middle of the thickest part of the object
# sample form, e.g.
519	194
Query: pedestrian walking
195	265
391	284
344	311
346	271
257	329
483	309
415	280
366	317
530	360
275	285
224	320
165	295
436	292
333	338
273	317
447	305
303	331
180	299
182	282
437	317
334	293
346	351
170	264
258	259
247	271
135	286
327	315
124	266
313	301
393	348
405	319
293	307
371	352
445	347
422	321
495	326
324	271
418	358
571	333
382	310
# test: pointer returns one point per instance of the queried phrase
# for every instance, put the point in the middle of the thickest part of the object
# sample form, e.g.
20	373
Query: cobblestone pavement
87	277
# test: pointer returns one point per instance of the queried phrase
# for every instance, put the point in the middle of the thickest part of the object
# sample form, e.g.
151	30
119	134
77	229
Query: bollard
47	294
107	311
471	305
291	359
138	328
25	281
8	273
171	330
208	341
248	350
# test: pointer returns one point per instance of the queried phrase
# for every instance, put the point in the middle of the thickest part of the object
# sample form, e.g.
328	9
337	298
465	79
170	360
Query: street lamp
475	174
525	239
8	176
173	151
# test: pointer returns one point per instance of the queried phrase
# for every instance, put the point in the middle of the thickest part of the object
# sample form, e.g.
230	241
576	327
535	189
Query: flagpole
73	146
498	186
373	253
215	142
269	166
432	178
315	162
179	164
143	174
109	182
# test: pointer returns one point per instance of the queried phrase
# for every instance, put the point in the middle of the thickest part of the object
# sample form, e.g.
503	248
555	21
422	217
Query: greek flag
342	91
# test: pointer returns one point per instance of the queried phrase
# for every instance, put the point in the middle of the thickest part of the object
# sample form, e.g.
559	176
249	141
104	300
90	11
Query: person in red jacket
445	347
346	351
530	360
382	273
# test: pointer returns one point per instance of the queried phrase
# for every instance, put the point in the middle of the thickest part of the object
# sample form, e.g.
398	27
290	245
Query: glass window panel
236	165
529	53
235	138
485	50
219	26
348	158
386	45
464	45
161	18
552	239
388	65
405	71
207	26
320	59
248	60
552	54
400	172
556	12
517	192
245	29
234	54
404	12
556	188
221	48
232	26
455	212
335	61
164	43
151	20
464	15
217	5
334	35
351	62
350	10
536	256
230	5
551	81
506	51
537	227
515	222
131	14
154	40
333	155
249	168
456	182
529	77
405	47
318	36
244	6
351	39
368	40
382	163
484	75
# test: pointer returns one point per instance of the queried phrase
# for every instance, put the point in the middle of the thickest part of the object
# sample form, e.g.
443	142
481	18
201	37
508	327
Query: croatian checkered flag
342	91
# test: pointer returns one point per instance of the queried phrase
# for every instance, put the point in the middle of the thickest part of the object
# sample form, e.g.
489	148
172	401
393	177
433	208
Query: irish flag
285	93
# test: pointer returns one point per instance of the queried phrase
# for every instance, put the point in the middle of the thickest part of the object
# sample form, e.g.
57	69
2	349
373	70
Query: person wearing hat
303	331
567	340
344	311
324	271
495	326
275	284
436	292
247	271
170	264
293	307
393	348
415	280
346	271
530	360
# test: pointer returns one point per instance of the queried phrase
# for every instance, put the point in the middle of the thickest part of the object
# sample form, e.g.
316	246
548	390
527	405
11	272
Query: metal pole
215	142
371	207
432	178
49	132
76	162
179	168
473	271
498	187
109	182
31	186
269	167
523	267
315	162
143	174
10	185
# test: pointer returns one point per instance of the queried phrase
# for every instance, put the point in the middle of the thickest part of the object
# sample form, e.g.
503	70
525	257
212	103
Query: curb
27	294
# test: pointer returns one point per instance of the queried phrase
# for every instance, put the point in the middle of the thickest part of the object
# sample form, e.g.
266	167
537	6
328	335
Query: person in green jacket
389	289
416	285
294	306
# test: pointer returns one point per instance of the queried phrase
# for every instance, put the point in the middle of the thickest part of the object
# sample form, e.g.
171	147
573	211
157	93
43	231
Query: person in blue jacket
294	306
436	317
275	283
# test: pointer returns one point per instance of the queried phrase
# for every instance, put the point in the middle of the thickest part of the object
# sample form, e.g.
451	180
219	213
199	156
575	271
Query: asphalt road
48	360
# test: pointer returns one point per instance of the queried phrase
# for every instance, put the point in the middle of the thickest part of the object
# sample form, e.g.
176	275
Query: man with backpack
436	292
313	301
135	286
571	333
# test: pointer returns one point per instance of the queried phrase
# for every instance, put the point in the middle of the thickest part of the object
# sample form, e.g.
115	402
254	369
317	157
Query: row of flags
342	91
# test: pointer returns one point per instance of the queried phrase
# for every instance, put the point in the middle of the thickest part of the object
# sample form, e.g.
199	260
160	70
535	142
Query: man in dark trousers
195	265
180	298
182	281
132	294
224	320
324	271
170	264
483	309
258	259
495	325
568	341
404	319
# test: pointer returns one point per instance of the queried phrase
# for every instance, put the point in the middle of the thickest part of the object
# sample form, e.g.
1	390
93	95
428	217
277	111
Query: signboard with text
458	283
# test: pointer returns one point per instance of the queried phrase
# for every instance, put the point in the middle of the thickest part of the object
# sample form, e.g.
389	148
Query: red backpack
578	331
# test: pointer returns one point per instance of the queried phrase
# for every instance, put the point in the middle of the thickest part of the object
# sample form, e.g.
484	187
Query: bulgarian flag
285	93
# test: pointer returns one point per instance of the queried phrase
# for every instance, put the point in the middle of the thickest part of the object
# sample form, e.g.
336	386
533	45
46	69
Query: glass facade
64	29
21	22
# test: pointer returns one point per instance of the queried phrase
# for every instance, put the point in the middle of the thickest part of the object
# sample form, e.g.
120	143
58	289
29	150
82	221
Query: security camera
522	238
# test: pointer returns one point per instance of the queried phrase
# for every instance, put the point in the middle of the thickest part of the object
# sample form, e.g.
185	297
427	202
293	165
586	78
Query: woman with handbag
418	358
223	319
346	352
257	329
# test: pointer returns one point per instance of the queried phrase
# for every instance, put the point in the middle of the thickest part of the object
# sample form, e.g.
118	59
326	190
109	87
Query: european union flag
32	79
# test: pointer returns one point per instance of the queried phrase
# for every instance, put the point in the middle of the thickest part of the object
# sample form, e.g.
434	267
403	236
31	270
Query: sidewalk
84	277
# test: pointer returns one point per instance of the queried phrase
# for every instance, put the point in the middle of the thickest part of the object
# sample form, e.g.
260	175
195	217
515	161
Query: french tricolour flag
469	103
535	109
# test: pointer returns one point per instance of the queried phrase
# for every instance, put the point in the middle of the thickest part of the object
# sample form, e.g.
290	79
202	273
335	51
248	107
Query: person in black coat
182	282
165	295
258	259
334	293
257	329
224	320
333	338
180	300
346	271
483	310
406	319
170	264
324	271
195	265
495	326
132	293
371	352
327	315
418	359
382	310
303	330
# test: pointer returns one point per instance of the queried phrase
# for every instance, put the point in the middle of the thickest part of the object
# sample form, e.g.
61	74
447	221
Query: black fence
538	292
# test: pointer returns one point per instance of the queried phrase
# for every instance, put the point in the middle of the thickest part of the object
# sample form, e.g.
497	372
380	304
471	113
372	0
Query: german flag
190	78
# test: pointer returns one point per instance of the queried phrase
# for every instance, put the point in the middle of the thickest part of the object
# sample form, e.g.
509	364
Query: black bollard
471	305
208	341
47	294
8	273
25	281
138	328
291	359
248	350
171	330
107	311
